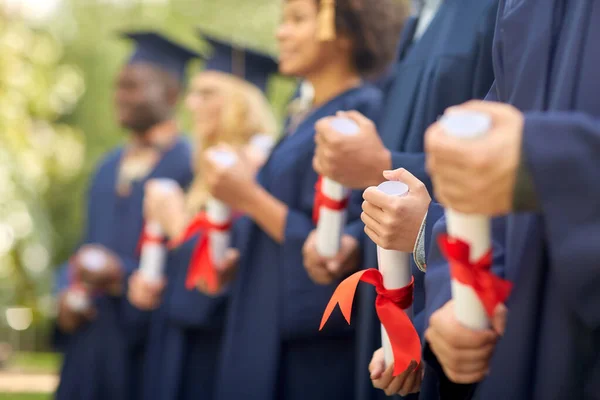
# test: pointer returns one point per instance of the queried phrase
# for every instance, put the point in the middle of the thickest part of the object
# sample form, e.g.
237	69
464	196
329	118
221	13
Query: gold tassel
326	30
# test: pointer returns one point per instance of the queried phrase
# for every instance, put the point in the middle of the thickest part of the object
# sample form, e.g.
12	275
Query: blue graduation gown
182	337
99	363
450	64
546	64
272	346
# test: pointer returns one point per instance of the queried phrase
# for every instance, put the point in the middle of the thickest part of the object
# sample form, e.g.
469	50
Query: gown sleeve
561	150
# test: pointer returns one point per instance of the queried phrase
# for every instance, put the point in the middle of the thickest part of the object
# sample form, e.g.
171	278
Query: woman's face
300	52
205	100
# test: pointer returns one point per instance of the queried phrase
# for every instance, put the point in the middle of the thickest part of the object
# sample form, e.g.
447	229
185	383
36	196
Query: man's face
141	97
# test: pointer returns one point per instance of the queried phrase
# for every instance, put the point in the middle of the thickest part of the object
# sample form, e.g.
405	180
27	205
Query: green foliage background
56	119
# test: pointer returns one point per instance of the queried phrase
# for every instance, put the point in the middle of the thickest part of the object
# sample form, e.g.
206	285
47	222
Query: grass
35	363
25	396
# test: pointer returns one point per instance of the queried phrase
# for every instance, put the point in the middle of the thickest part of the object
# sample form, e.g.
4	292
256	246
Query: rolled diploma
331	222
219	213
472	229
394	267
262	143
153	255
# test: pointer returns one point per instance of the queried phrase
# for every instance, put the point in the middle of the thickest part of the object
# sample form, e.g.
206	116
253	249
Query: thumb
404	176
377	365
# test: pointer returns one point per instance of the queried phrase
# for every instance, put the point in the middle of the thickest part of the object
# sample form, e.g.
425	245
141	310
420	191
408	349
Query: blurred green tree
39	154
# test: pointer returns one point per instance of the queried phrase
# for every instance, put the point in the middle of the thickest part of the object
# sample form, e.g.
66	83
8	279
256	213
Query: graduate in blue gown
272	347
444	59
546	65
99	363
183	334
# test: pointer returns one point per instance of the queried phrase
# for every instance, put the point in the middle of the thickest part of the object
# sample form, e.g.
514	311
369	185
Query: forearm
268	212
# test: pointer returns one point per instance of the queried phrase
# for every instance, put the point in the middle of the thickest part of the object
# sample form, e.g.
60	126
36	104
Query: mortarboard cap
252	65
156	49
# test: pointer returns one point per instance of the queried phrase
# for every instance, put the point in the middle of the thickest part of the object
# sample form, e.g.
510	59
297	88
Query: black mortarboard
156	49
250	64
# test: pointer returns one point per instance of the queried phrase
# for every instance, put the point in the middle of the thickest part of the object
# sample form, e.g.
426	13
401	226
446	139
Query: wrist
253	199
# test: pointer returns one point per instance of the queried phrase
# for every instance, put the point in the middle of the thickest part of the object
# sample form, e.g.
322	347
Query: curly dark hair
374	28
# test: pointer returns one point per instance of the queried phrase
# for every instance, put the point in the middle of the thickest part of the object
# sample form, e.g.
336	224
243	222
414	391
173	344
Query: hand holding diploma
468	245
231	183
463	353
152	245
166	207
393	222
477	176
70	319
354	161
383	378
326	270
98	268
144	294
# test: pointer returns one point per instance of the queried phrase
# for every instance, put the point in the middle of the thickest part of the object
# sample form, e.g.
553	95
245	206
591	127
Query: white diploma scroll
394	267
219	213
472	229
331	222
93	259
154	251
77	297
262	143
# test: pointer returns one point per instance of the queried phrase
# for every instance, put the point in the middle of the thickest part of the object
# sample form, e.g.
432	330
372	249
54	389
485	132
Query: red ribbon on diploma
490	289
321	200
201	267
147	238
390	305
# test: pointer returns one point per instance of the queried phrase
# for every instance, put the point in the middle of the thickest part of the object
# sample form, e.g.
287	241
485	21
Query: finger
386	378
393	175
464	361
446	326
376	367
373	235
397	382
374	212
371	224
411	384
404	176
376	197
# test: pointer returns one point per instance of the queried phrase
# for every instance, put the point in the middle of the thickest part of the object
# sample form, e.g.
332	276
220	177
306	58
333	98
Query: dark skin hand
108	278
68	320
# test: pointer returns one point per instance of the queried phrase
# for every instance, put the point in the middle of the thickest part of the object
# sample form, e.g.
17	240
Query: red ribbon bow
390	305
490	289
321	200
147	238
201	267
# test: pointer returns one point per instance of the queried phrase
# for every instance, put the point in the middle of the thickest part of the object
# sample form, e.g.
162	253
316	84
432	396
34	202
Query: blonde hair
245	113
